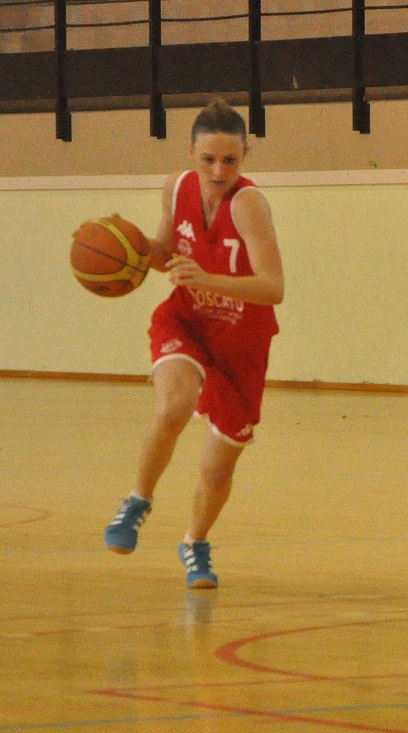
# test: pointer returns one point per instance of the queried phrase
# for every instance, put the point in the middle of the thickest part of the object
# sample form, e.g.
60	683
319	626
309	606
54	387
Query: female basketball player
210	340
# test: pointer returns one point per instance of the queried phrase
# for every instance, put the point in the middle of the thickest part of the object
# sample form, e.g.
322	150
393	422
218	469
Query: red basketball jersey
218	249
227	340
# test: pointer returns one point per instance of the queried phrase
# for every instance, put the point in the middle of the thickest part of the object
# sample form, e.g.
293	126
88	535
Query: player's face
217	158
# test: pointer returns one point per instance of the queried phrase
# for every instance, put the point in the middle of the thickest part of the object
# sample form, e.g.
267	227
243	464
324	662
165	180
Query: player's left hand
185	271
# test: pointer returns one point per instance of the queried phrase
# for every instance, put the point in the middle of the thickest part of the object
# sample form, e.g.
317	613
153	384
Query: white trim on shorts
218	434
216	431
186	357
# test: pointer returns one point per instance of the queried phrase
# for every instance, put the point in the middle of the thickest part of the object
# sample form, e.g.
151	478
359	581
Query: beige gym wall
344	246
299	137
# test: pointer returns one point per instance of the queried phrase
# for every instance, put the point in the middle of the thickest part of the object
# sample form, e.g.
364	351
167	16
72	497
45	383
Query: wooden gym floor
307	632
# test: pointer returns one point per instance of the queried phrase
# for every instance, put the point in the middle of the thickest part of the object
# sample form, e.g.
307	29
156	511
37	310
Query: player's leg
217	466
177	384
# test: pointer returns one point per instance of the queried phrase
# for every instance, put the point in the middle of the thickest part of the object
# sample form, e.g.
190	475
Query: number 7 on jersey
234	245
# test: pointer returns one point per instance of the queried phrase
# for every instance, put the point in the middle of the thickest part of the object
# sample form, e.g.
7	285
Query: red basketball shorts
233	376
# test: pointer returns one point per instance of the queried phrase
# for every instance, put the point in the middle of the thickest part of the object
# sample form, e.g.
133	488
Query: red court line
286	718
41	514
228	652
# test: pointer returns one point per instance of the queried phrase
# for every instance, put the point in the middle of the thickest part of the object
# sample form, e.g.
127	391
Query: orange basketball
110	256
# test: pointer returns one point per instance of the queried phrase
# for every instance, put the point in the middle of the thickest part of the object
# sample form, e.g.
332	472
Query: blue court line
11	553
218	545
312	541
64	725
340	709
156	719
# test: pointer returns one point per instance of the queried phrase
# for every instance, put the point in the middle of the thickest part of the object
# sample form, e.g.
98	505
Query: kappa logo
170	346
186	230
247	430
185	247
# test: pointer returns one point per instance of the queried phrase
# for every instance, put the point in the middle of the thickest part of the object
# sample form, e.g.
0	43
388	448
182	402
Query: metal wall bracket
256	110
157	112
361	108
63	116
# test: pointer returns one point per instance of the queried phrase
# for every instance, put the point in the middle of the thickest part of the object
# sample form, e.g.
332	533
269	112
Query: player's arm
162	246
252	219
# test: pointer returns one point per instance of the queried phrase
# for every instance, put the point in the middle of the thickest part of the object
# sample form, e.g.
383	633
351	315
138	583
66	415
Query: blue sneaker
196	558
121	535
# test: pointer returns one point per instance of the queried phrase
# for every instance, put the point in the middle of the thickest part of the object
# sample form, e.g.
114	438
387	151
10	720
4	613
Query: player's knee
174	411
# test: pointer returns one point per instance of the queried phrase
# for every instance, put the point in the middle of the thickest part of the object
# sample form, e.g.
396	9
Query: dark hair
218	116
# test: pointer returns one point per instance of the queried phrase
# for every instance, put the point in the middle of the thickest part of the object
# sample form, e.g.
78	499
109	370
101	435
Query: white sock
188	539
141	498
